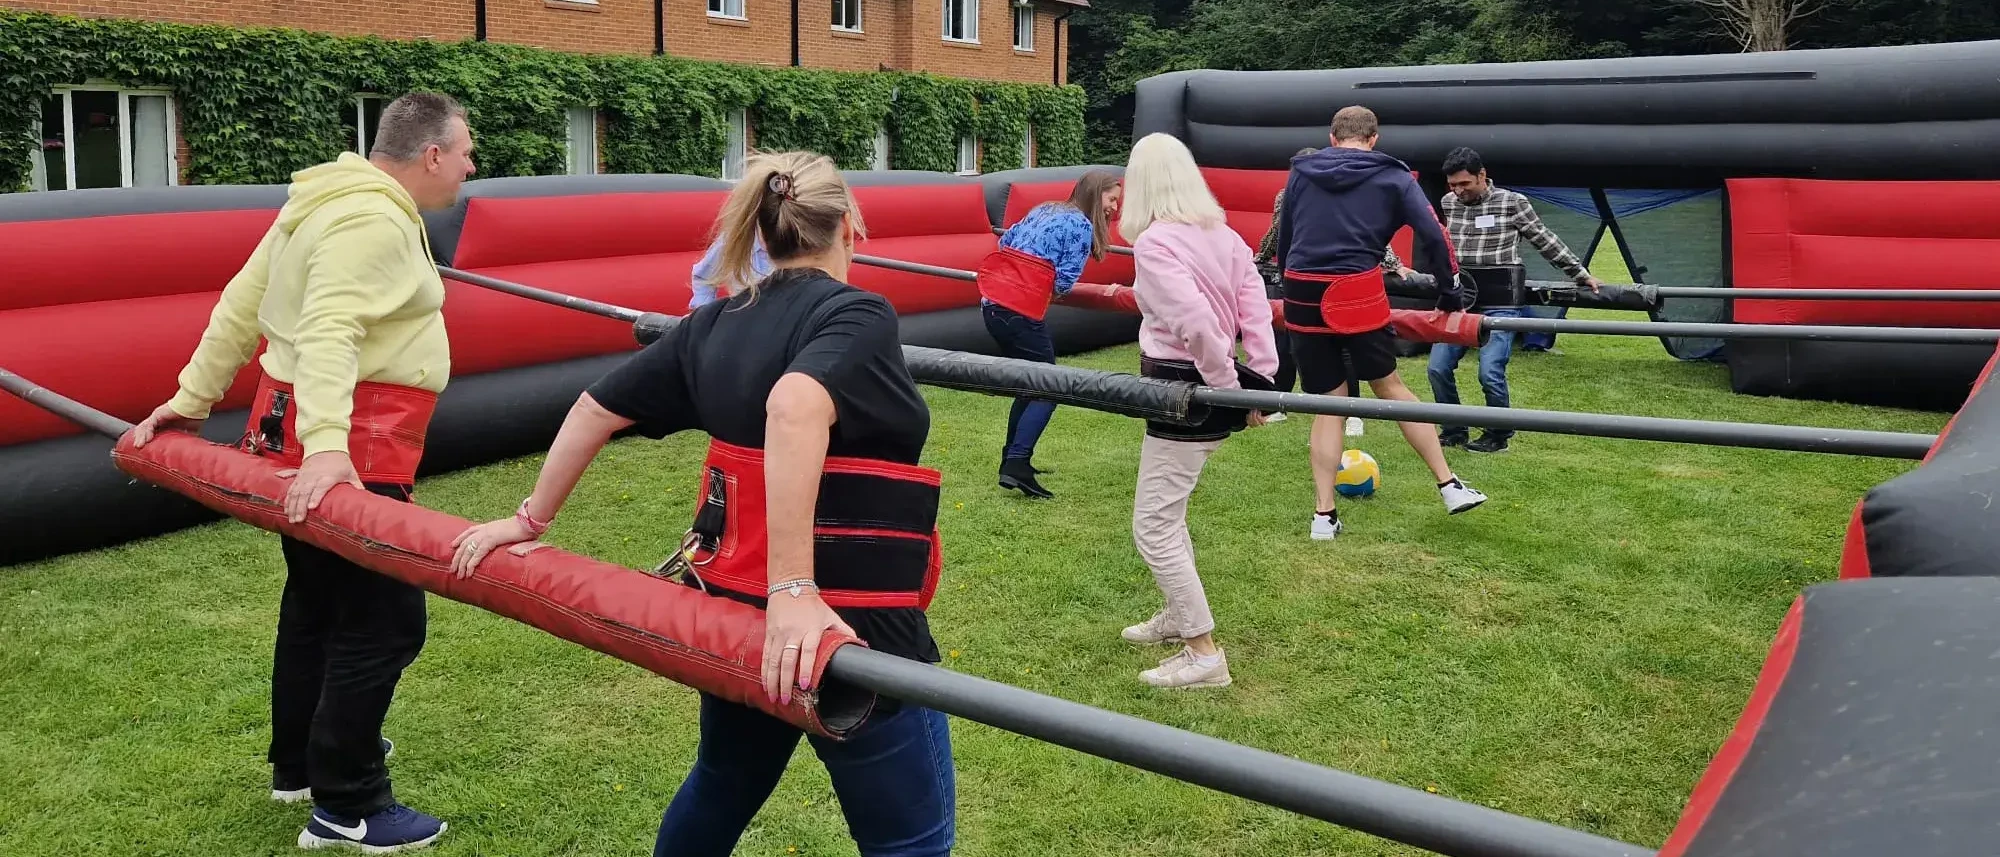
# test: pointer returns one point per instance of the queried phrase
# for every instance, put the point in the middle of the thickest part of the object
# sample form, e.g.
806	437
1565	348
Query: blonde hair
795	200
1162	183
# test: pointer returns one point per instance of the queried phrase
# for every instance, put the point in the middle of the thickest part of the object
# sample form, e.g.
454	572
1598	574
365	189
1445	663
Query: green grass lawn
1574	651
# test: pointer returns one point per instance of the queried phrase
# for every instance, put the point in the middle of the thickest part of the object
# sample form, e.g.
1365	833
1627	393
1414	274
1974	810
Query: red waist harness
1022	282
875	539
386	430
1336	303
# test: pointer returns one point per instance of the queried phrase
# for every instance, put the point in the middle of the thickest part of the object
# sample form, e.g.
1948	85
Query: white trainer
1151	632
1186	670
1460	497
1325	528
1275	417
1355	427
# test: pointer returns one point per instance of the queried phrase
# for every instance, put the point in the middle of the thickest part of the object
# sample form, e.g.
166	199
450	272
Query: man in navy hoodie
1341	206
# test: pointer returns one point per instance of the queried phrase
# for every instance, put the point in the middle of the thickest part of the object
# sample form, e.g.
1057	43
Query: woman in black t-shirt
813	508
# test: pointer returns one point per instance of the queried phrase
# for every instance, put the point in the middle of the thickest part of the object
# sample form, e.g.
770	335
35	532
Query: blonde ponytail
795	200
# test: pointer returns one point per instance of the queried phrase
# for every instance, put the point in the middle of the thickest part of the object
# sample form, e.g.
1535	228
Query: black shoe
1453	438
1019	475
1487	443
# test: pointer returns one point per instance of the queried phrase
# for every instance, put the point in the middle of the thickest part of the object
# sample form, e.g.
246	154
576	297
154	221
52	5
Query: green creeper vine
257	104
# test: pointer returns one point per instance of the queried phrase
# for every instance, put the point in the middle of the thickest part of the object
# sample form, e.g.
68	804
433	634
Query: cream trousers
1168	470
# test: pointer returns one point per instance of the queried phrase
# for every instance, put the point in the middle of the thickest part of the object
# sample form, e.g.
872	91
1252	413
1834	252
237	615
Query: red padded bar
82	260
706	642
1803	233
519	231
120	357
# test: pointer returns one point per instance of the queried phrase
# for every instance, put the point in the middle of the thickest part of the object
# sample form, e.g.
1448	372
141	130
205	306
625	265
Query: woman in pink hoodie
1198	291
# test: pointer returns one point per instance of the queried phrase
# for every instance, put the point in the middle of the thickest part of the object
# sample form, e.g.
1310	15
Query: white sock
1202	660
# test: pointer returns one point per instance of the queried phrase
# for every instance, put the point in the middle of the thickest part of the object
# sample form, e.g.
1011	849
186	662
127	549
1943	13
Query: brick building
135	130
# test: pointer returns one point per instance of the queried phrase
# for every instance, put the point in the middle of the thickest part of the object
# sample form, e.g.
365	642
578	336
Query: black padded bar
1390	811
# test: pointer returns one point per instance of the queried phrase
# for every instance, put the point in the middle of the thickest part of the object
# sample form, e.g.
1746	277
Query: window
725	9
847	15
106	137
582	143
1028	148
880	159
1024	26
968	156
363	119
961	20
739	145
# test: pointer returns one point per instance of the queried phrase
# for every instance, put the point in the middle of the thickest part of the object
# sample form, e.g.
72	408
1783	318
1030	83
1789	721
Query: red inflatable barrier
709	643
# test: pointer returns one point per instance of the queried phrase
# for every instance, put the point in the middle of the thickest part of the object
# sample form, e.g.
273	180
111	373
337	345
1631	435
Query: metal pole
1393	812
545	296
1440	824
917	268
1821	333
1881	444
63	406
1832	294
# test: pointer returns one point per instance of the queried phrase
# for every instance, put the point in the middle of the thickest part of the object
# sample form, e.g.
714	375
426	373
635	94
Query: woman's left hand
477	541
793	627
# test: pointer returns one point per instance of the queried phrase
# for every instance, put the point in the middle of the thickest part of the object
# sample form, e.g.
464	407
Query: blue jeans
893	777
1493	358
1022	338
1540	341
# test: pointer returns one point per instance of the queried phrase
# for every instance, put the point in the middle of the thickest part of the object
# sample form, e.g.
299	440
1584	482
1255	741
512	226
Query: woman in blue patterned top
707	274
1039	259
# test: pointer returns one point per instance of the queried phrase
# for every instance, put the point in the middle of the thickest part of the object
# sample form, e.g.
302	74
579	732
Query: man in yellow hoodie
344	293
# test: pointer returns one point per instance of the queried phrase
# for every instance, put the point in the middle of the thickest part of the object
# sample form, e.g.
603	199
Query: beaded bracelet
793	585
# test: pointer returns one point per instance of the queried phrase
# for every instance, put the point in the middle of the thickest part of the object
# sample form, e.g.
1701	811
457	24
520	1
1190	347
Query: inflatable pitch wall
108	291
1843	168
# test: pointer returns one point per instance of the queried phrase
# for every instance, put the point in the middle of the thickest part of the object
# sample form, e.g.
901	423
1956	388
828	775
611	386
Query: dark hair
1355	123
1463	159
795	200
414	122
1088	197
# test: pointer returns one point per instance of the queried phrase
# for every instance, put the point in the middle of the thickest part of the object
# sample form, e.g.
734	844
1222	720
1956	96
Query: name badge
1486	221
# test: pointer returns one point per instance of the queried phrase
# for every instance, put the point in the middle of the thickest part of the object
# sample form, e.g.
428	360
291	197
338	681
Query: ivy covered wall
257	104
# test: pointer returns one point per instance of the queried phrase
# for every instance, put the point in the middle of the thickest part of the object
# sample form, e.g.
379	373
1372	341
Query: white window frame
737	149
1028	148
361	141
1024	13
968	155
582	163
720	9
853	26
125	94
878	159
968	14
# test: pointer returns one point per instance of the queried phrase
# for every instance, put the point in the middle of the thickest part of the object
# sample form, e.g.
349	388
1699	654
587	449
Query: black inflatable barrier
1918	377
1941	519
1651	122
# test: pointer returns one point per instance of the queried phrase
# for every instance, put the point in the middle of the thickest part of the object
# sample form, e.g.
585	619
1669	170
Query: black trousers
345	634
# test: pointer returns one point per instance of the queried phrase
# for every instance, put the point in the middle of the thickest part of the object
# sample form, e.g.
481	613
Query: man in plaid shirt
1487	224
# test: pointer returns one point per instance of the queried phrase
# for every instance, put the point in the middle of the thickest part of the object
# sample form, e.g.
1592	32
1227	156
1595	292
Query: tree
1760	25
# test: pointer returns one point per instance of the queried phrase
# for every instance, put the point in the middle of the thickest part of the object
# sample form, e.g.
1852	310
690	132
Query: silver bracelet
793	585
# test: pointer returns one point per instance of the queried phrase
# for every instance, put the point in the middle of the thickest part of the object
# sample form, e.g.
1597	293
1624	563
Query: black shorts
1325	359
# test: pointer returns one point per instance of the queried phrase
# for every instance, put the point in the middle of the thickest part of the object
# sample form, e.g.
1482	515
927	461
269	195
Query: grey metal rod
63	406
1881	444
917	268
545	296
1393	812
1821	333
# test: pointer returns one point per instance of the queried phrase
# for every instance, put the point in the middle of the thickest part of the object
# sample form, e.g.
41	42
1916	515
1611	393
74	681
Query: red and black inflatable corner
709	643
